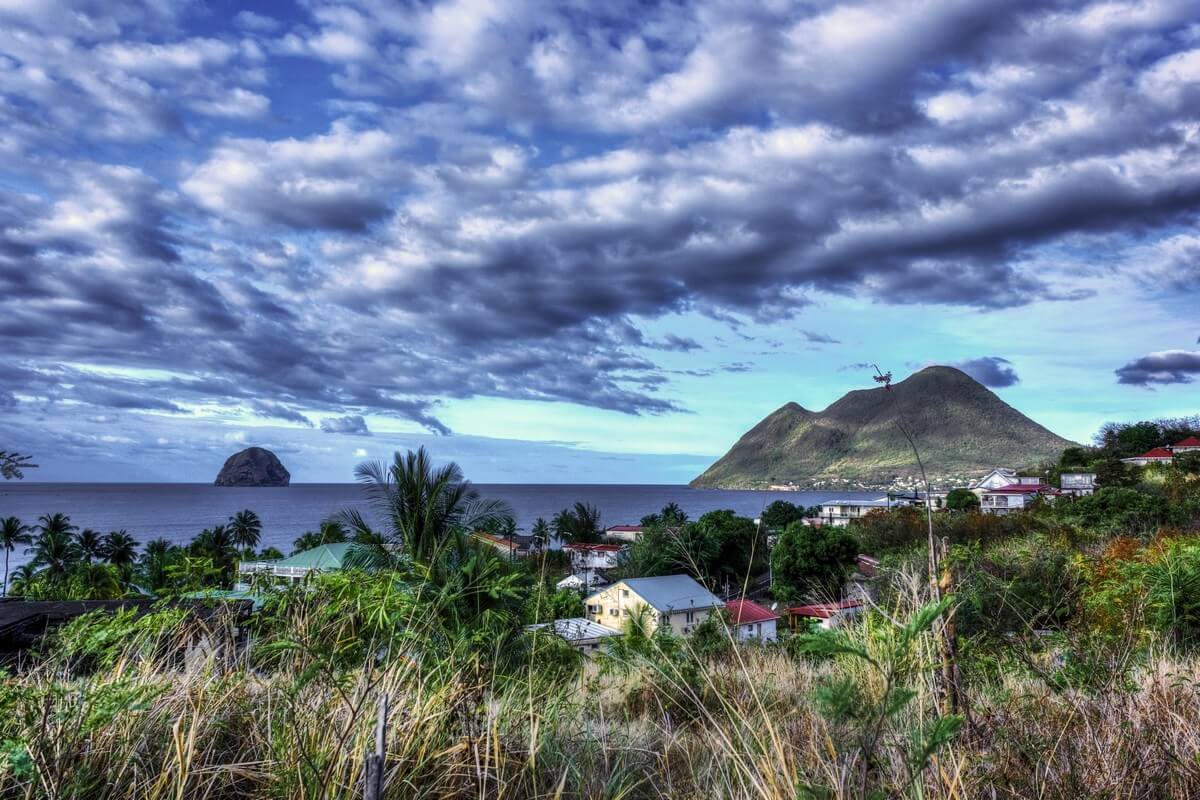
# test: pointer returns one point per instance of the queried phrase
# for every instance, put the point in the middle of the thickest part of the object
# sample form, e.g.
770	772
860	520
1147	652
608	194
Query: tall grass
102	716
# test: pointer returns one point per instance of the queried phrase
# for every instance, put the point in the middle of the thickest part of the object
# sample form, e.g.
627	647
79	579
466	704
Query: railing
256	567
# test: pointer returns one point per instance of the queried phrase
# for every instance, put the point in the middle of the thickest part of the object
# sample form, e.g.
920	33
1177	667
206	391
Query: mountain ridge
961	427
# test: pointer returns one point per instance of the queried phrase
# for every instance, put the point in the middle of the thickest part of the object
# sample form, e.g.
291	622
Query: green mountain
961	428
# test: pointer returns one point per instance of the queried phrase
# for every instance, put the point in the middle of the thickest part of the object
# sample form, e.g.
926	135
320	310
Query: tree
12	465
422	508
12	533
54	551
725	548
120	550
578	525
331	531
1111	472
1187	463
780	514
811	562
157	556
541	532
215	544
962	500
245	528
90	545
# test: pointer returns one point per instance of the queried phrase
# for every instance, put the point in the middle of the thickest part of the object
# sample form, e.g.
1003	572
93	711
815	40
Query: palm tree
54	550
245	528
12	533
331	532
120	550
541	532
157	555
580	524
21	576
55	523
90	546
422	508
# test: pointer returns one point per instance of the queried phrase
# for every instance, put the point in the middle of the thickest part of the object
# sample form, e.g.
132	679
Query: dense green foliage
812	562
962	500
719	549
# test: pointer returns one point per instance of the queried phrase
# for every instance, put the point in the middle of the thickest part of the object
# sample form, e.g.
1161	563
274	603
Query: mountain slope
960	426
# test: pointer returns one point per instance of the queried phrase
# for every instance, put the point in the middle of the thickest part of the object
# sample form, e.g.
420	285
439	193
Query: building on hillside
1077	484
676	601
1188	445
995	479
511	546
326	558
584	635
1159	455
590	557
840	513
752	622
1010	499
624	533
571	582
824	615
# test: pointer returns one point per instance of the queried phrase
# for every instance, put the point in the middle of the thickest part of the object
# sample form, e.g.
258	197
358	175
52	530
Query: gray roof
576	629
673	592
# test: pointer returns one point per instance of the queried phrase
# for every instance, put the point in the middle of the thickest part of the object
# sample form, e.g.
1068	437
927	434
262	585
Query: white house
624	533
825	615
676	601
750	621
570	582
1077	484
1009	499
1159	455
995	479
1188	445
840	513
582	634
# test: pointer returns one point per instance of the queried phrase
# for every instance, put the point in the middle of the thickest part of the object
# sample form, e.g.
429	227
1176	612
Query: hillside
961	428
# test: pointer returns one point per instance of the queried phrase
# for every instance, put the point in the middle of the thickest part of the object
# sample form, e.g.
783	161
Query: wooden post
373	767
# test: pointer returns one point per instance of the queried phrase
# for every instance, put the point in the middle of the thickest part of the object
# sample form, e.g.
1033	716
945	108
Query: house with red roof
624	533
1188	445
1159	455
824	615
751	621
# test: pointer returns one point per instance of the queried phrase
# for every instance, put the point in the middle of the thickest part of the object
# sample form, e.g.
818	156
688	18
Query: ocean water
178	511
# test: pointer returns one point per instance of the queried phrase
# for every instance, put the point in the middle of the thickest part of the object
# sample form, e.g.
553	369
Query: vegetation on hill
962	429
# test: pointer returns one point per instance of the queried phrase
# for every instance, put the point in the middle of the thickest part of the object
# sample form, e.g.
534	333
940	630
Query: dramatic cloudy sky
579	241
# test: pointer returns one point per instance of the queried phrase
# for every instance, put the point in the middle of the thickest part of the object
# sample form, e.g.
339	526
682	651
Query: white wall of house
762	631
616	604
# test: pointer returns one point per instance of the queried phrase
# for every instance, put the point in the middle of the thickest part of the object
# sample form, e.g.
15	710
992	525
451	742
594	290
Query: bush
812	561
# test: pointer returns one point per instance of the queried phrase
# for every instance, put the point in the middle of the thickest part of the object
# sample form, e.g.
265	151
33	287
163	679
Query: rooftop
742	612
824	610
577	629
625	528
598	548
673	592
1158	452
1191	441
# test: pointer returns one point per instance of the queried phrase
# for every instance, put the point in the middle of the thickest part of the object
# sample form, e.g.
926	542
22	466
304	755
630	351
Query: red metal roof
587	548
824	610
742	612
626	528
1191	441
1158	452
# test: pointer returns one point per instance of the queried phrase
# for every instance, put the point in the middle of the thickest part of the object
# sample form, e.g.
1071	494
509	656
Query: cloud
819	338
351	424
991	371
1162	368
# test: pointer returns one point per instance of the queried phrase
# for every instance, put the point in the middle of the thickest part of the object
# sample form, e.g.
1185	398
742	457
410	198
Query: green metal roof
327	556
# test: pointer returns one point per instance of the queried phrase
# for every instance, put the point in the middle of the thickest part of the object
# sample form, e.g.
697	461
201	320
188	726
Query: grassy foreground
108	712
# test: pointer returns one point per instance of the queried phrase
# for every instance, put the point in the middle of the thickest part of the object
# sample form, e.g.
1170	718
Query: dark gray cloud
1167	367
352	424
992	371
493	204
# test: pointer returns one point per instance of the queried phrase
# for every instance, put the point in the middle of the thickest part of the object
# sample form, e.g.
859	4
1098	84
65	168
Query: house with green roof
326	558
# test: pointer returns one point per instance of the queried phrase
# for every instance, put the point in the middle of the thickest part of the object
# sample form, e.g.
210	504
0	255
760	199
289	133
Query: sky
579	242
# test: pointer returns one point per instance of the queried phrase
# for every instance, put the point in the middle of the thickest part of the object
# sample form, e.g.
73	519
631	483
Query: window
612	612
595	609
691	617
625	593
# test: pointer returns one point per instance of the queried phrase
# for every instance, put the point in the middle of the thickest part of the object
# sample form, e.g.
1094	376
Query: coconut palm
120	550
422	508
12	533
541	532
21	577
157	555
331	532
55	523
579	524
95	582
245	528
91	547
54	551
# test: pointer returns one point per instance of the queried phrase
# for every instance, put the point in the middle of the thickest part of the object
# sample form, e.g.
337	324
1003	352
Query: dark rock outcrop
254	466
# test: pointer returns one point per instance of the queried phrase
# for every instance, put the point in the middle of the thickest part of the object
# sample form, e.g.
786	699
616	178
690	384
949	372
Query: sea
179	511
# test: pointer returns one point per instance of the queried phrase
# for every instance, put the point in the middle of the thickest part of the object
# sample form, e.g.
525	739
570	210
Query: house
1017	497
590	557
824	615
751	621
1077	484
1159	455
326	558
582	634
841	513
995	479
570	582
1188	445
510	546
676	601
624	533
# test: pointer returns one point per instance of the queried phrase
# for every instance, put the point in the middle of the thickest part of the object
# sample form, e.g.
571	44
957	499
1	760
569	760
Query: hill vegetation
961	427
